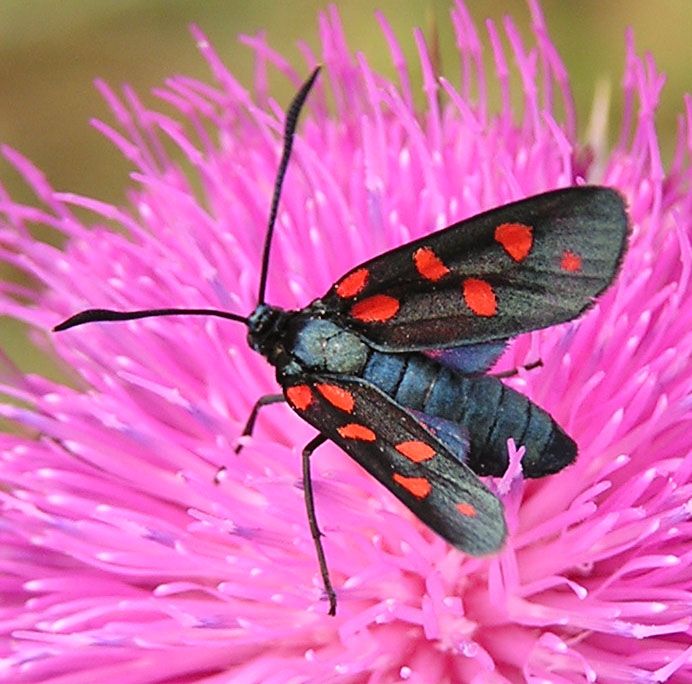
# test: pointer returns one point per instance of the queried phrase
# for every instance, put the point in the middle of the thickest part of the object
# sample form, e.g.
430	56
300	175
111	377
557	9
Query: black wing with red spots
523	266
406	457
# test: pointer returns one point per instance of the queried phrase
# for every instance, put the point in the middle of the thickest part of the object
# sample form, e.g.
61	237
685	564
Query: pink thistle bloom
122	560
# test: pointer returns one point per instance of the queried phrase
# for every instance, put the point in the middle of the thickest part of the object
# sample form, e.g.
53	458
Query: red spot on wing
516	238
378	308
467	509
418	486
299	396
428	264
570	262
353	283
337	396
415	451
356	431
479	297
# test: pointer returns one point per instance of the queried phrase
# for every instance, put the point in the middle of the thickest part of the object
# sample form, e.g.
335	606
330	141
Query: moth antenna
105	315
289	132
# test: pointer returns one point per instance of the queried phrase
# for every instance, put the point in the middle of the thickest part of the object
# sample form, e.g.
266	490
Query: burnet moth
391	364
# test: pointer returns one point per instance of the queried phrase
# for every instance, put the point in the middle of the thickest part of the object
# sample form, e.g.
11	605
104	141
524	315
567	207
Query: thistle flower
123	561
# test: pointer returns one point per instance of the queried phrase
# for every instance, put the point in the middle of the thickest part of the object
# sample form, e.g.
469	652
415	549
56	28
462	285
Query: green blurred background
51	52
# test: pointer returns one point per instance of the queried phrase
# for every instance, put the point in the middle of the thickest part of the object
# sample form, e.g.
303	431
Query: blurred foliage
50	52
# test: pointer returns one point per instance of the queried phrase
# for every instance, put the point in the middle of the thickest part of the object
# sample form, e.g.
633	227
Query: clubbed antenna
104	315
289	132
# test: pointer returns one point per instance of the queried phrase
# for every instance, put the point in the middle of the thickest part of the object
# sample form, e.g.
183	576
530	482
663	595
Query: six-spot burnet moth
391	363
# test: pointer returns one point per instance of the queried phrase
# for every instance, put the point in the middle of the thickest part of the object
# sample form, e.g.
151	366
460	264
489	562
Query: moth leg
250	425
266	400
515	371
312	520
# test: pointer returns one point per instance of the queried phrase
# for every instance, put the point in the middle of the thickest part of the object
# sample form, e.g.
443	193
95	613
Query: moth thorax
323	345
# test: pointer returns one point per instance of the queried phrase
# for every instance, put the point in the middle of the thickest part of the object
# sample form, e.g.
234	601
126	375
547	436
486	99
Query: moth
392	362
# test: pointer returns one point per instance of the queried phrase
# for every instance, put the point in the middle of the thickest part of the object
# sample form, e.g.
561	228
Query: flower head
123	560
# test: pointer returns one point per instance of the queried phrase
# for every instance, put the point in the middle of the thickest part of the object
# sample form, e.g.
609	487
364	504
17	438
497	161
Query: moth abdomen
496	412
483	408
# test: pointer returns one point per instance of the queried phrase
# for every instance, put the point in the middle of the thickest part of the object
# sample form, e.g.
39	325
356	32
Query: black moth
391	363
